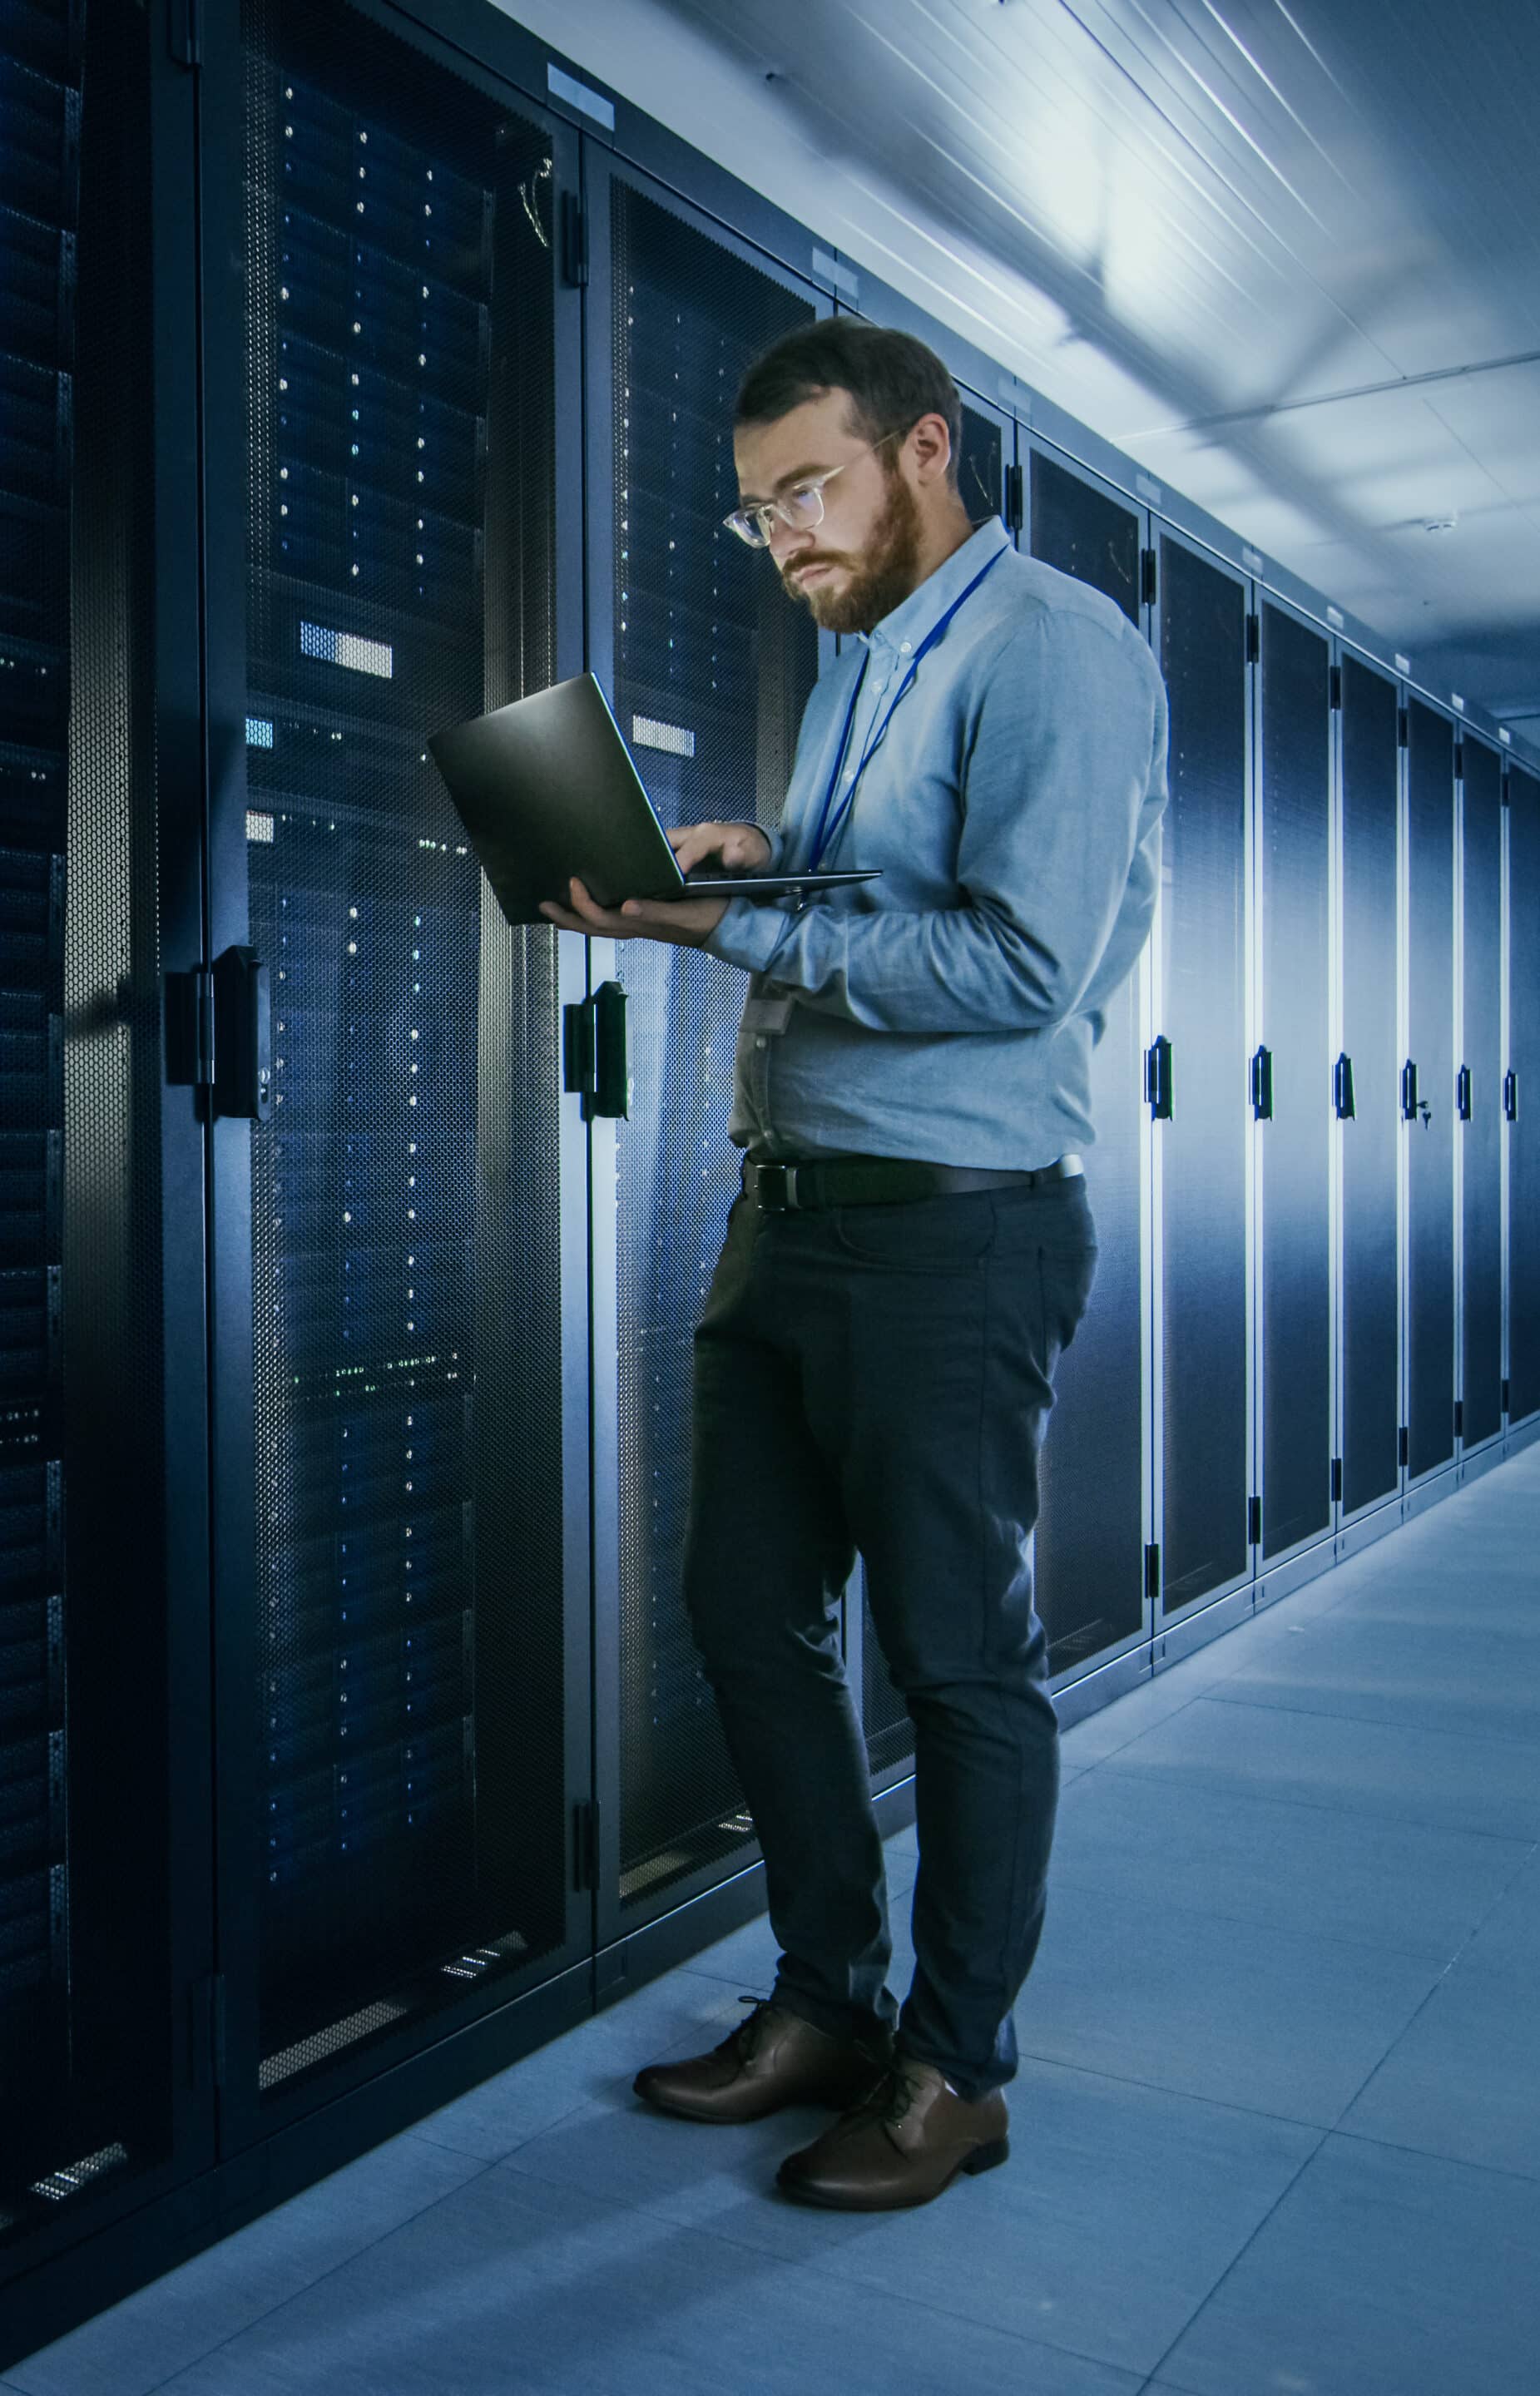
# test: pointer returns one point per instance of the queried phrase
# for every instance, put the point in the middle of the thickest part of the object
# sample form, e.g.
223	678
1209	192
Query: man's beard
882	574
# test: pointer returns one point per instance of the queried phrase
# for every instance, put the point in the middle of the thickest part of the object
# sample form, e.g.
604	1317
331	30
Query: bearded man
912	1249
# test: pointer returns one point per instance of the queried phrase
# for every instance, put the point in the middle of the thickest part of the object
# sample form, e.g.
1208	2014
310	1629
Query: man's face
855	567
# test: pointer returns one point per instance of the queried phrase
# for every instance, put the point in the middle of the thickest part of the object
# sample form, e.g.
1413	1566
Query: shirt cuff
747	935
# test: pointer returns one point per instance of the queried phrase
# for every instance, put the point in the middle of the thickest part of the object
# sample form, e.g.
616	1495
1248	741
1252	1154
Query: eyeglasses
802	508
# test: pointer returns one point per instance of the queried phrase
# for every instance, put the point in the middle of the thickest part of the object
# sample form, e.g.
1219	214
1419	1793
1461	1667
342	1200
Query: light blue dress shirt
948	1011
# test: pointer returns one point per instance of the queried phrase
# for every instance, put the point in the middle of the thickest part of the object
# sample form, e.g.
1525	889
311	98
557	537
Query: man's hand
685	922
740	848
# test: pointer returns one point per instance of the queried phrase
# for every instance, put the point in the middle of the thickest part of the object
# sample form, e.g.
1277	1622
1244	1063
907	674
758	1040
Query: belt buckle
774	1187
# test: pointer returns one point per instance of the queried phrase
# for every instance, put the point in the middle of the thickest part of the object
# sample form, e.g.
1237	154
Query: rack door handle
1462	1094
1262	1085
1510	1095
1157	1079
1342	1088
598	1053
1408	1091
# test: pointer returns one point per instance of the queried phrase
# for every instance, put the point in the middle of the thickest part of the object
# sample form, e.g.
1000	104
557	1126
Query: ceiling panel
1193	224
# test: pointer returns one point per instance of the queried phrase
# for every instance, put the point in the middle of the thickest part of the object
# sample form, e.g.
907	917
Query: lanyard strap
829	832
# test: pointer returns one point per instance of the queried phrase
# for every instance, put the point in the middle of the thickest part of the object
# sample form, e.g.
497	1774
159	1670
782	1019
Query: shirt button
758	1040
904	647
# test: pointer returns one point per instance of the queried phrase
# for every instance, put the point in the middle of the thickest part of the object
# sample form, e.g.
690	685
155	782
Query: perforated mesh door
712	668
1481	1135
1296	1261
1201	1012
1371	1385
1525	1063
1431	1177
1090	1537
84	1994
405	1196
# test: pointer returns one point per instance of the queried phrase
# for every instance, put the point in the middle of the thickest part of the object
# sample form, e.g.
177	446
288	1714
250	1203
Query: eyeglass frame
741	519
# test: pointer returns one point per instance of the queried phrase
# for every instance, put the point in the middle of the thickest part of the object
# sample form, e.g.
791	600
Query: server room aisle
1277	2126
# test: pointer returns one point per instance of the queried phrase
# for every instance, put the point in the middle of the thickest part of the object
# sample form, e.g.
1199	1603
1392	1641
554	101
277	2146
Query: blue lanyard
828	833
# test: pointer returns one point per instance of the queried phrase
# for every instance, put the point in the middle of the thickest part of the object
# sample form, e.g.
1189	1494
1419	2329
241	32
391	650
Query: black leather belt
882	1181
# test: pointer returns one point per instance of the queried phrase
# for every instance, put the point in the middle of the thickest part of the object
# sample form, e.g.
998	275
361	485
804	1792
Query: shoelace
745	2041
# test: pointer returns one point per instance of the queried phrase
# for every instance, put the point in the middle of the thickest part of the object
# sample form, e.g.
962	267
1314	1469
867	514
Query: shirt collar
919	614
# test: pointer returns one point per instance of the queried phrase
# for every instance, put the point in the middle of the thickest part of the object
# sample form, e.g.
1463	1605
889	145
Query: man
912	1249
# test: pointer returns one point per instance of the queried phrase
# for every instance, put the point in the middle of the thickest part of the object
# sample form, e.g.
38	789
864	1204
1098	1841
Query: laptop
548	790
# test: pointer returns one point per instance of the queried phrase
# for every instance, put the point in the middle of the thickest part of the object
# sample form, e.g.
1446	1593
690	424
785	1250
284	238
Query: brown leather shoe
772	2059
907	2143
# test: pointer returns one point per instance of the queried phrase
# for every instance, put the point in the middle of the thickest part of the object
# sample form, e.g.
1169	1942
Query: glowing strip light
646	733
346	650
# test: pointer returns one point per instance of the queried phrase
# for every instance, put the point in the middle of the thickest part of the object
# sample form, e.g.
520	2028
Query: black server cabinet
1292	1081
398	1258
1367	1095
1478	1095
1428	1092
105	1889
1090	1535
1199	1085
708	666
1522	1093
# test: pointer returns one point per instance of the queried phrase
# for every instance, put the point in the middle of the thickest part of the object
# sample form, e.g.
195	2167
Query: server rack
1521	1095
398	1265
1291	1091
1203	1015
105	1925
1479	1094
1094	1534
1427	1090
707	667
1366	1096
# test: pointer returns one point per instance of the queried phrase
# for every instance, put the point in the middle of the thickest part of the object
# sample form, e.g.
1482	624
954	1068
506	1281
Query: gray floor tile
1509	1938
1381	2273
139	2344
1235	2011
1356	1876
528	2286
1446	1778
1109	2185
1461	2080
682	2014
1395	1667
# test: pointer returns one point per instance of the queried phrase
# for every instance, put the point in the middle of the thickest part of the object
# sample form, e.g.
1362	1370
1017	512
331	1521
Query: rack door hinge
1148	579
1152	1570
1459	761
1253	640
184	32
585	1846
1016	499
1404	729
1337	1480
1253	1520
1336	688
574	253
206	2031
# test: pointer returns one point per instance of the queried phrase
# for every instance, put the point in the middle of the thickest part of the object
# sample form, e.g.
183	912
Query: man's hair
893	381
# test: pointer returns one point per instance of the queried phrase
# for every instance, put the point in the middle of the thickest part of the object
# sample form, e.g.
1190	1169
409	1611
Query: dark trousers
878	1378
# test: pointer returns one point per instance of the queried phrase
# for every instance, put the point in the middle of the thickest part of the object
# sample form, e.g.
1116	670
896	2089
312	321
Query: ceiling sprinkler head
1439	524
